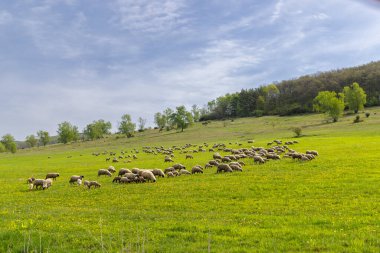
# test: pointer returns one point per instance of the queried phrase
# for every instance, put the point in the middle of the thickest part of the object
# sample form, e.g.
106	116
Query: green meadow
329	204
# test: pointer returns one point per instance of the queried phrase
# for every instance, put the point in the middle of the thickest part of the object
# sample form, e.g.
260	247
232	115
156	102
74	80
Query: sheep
52	175
236	167
74	179
189	157
170	169
178	166
217	156
223	167
86	183
242	163
312	152
170	174
196	169
250	141
124	180
168	159
41	183
130	176
184	172
226	159
104	172
213	162
207	165
116	179
258	159
148	175
135	171
122	171
158	173
111	169
95	184
115	160
30	180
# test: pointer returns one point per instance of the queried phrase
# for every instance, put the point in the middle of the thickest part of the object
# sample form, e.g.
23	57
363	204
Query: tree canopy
126	126
355	97
97	129
44	137
330	103
181	118
31	140
8	141
67	132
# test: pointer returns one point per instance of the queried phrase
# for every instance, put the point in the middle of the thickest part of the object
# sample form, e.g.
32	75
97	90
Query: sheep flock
233	161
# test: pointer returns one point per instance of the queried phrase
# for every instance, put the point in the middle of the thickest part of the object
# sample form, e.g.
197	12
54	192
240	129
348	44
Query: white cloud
5	17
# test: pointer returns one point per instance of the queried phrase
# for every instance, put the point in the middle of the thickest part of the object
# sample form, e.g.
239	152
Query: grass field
330	204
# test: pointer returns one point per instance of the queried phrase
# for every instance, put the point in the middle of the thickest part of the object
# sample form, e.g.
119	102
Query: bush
357	119
367	114
297	131
258	113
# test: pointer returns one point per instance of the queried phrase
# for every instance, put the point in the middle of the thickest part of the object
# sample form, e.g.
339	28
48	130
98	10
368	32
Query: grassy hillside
330	204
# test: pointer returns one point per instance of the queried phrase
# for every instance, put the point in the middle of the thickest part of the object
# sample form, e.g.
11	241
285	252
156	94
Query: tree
355	97
126	126
182	118
2	148
330	103
142	123
160	120
196	113
9	143
43	137
31	140
97	129
67	132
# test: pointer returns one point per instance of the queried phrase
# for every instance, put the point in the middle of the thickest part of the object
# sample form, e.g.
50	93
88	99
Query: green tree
2	148
196	113
97	129
67	132
182	118
330	103
160	120
43	137
142	123
31	140
9	143
126	126
355	97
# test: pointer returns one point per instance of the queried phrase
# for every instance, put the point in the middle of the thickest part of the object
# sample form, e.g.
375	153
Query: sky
84	60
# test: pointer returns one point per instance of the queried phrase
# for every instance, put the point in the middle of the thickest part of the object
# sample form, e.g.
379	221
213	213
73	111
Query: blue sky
93	59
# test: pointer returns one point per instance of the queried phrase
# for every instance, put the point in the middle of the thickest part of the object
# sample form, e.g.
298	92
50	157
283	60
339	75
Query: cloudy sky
83	60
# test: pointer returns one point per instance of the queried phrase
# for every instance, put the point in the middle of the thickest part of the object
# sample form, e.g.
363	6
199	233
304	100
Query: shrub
297	131
367	114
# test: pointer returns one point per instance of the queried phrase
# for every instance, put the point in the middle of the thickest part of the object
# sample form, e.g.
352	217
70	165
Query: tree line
294	96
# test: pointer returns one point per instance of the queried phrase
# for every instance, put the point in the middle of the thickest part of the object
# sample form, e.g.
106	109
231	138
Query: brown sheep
213	162
122	171
124	180
148	176
52	175
184	172
217	156
235	167
196	169
178	166
170	174
135	171
170	169
168	159
226	159
104	172
258	159
111	169
224	168
189	157
74	179
158	173
116	179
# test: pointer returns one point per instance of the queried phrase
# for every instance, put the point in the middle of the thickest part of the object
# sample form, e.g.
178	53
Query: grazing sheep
217	156
148	176
115	160
207	165
135	171
213	162
178	166
196	169
242	163
74	179
189	157
168	159
226	159
224	168
258	159
111	169
122	171
116	179
30	180
236	167
170	169
130	176
94	183
175	173
52	175
250	141
104	172
158	173
124	180
184	172
312	152
170	174
86	183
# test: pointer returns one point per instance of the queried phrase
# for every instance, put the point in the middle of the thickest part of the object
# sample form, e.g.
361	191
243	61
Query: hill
329	204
